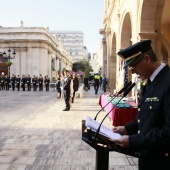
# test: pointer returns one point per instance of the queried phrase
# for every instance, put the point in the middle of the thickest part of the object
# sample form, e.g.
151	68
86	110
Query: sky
68	15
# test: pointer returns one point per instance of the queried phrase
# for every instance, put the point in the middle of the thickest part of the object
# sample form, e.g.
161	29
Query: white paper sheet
93	124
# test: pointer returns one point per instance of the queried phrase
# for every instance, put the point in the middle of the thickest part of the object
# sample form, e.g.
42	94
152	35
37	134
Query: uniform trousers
67	98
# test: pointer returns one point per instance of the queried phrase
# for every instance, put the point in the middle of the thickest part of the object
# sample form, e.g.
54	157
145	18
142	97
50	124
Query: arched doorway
126	34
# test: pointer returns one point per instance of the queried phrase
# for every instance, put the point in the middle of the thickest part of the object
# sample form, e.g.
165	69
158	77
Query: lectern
103	146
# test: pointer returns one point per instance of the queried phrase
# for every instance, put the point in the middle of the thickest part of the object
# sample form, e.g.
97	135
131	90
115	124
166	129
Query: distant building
37	52
73	42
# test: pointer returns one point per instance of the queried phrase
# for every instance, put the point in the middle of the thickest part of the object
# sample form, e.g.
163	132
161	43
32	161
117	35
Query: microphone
123	89
126	92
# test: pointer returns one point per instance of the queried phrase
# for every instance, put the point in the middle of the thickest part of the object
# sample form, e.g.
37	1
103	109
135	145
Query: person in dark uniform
18	80
28	79
40	83
13	82
149	134
75	85
47	82
34	82
2	81
96	83
6	82
23	82
66	89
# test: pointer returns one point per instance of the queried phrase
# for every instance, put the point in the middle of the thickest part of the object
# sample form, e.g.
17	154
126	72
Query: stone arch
112	64
165	51
151	15
126	35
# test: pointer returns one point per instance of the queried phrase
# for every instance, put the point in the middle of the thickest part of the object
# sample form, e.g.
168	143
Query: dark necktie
148	84
146	87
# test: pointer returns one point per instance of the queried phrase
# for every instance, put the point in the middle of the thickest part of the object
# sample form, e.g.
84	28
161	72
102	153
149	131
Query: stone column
156	39
104	56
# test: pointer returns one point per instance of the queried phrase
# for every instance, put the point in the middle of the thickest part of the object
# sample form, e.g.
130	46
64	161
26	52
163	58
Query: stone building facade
37	51
126	22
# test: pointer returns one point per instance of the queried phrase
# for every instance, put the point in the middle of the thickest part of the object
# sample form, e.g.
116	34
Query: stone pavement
35	134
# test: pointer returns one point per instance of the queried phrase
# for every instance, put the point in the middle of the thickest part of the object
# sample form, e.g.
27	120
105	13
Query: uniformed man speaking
149	134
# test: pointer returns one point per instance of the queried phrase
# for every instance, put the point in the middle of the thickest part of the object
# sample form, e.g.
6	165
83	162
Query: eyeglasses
133	65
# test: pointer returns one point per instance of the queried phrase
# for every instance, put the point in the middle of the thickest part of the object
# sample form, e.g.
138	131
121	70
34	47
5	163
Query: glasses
133	65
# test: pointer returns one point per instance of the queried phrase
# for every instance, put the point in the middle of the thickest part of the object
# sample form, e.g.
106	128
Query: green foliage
82	65
9	63
86	72
53	69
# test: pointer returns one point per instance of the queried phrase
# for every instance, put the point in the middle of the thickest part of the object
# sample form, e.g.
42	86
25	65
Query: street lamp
8	58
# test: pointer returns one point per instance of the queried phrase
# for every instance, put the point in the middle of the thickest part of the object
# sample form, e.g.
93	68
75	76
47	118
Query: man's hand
123	141
120	129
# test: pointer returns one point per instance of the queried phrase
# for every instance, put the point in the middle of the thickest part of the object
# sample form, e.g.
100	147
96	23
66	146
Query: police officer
23	82
6	82
18	80
148	135
2	81
66	89
47	82
28	79
40	83
96	83
13	82
34	82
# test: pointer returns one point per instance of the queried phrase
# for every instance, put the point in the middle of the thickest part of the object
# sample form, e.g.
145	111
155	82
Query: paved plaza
35	134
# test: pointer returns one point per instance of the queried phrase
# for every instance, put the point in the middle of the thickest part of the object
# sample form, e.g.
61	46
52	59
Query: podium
103	146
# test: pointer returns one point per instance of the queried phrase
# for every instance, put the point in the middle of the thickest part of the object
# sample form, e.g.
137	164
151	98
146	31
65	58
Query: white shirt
156	72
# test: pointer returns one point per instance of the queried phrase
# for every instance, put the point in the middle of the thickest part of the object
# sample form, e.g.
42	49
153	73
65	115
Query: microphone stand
126	92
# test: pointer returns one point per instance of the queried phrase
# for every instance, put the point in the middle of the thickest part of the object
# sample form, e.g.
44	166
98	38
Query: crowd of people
17	82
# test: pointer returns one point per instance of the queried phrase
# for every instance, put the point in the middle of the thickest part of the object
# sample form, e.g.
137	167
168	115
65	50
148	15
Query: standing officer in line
28	83
23	82
66	89
40	82
148	135
18	80
13	82
34	82
3	81
47	82
96	83
6	82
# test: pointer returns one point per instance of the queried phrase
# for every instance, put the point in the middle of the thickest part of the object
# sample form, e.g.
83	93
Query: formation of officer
25	82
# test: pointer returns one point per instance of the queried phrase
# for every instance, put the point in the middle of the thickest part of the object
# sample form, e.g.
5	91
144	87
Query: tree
82	65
